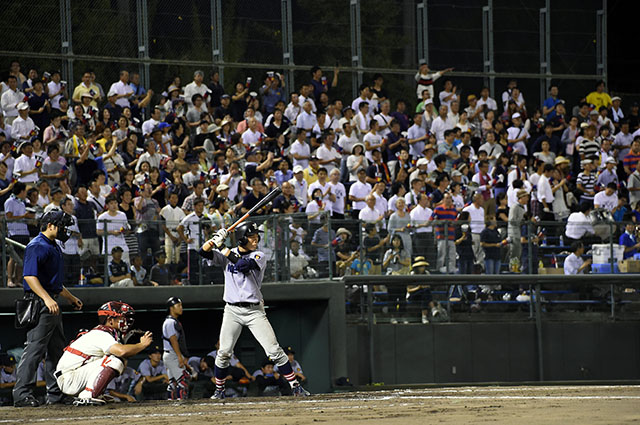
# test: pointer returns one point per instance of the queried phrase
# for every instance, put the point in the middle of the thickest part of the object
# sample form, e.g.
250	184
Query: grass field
460	405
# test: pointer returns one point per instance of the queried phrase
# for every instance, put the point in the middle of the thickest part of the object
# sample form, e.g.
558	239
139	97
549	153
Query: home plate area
494	404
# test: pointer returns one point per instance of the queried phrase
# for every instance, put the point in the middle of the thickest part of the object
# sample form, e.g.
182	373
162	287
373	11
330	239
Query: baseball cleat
89	401
218	395
298	391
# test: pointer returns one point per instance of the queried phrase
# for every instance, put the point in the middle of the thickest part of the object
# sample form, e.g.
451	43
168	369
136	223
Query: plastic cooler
604	268
602	253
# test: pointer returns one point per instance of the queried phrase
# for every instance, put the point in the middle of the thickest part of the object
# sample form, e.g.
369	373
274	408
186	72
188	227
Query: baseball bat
264	201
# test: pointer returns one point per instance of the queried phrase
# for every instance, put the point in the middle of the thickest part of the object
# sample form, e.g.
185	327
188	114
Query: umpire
43	276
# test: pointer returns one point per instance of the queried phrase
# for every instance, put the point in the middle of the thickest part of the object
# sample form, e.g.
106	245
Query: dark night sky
623	47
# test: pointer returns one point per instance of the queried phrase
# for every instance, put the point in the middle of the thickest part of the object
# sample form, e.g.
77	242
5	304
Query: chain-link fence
248	38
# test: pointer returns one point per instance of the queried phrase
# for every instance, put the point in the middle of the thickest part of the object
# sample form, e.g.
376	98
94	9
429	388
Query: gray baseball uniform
245	307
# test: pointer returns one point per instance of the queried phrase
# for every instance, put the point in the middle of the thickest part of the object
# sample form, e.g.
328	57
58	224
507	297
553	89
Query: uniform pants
233	320
478	252
47	337
171	363
446	256
79	382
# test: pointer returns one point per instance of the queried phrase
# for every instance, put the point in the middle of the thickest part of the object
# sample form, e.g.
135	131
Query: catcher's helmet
120	310
173	301
244	230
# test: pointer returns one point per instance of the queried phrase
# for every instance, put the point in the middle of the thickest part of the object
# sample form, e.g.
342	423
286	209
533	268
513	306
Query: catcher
96	357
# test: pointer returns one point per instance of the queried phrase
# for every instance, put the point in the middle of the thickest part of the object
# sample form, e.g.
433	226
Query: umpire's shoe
28	401
218	395
298	391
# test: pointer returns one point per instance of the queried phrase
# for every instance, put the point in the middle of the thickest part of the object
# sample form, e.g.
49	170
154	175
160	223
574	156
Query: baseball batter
243	273
94	359
175	355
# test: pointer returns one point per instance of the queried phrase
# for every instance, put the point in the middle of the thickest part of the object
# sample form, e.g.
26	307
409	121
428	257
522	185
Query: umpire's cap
244	230
173	301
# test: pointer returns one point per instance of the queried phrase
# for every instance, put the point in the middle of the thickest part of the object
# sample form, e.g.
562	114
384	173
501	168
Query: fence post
487	46
143	43
356	46
5	233
216	38
423	32
545	49
287	44
106	252
66	44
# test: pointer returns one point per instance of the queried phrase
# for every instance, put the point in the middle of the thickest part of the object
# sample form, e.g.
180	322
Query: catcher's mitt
133	336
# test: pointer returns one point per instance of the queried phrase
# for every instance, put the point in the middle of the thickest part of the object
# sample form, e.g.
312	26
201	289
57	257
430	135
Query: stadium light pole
216	38
66	42
287	43
356	46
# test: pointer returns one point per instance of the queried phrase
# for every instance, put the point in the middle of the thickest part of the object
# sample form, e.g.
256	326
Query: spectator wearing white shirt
26	165
328	156
339	192
493	149
421	225
252	137
116	224
453	116
448	95
372	140
56	89
306	120
607	198
300	186
370	214
578	226
492	105
122	89
363	97
196	87
416	136
149	125
300	150
362	118
293	108
518	135
23	127
623	140
327	197
10	100
476	215
358	193
440	124
574	264
509	94
384	119
545	193
151	156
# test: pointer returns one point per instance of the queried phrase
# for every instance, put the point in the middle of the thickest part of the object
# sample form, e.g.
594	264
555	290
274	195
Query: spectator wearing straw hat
421	293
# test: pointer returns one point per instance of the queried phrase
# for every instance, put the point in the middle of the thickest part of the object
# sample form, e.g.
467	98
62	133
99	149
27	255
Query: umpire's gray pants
46	338
234	319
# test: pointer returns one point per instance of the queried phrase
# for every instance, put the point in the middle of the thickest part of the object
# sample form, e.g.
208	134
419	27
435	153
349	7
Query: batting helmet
173	301
244	230
122	311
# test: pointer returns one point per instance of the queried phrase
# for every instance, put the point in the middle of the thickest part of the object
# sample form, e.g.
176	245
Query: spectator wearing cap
153	385
421	294
295	366
7	379
22	127
617	115
87	86
608	174
517	215
517	135
599	97
223	110
607	198
119	273
586	181
300	186
10	100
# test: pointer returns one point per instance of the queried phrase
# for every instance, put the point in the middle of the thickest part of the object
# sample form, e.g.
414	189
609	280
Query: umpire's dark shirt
43	259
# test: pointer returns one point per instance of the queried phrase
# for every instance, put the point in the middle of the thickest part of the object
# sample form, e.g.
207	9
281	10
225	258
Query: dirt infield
509	405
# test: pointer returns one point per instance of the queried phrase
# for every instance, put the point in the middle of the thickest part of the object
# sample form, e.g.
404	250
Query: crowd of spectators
459	178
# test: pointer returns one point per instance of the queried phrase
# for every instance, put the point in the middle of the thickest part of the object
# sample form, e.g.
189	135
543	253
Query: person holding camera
43	272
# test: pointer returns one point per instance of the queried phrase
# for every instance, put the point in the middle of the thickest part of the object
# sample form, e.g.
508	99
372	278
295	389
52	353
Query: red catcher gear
120	310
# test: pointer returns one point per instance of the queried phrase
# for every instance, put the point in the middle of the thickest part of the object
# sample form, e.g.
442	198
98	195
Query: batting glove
218	241
222	233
